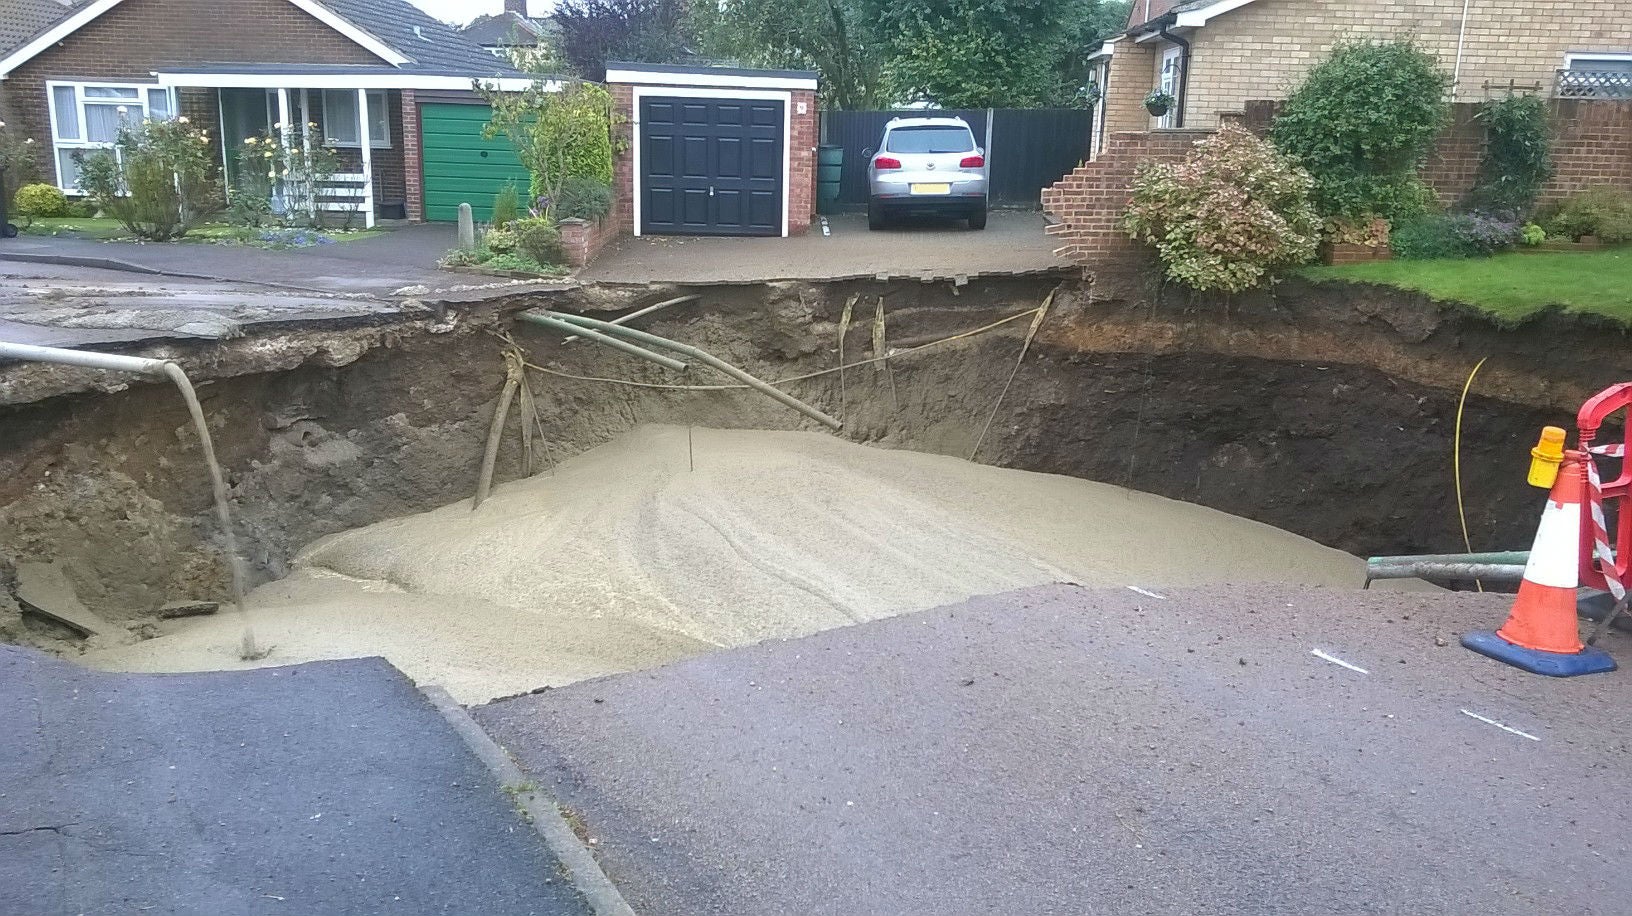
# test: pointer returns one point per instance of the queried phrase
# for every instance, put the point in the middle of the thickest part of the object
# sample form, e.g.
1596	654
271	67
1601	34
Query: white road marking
1505	728
1147	594
1337	661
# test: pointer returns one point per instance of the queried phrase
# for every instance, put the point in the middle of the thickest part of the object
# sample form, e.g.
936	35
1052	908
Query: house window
1596	76
87	116
340	119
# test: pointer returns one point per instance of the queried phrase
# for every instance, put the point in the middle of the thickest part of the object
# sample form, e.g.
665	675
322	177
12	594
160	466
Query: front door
711	166
1172	60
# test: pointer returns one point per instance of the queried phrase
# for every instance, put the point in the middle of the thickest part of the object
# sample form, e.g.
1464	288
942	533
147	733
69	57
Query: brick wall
1263	50
1087	205
136	37
413	165
582	240
801	140
1592	145
801	162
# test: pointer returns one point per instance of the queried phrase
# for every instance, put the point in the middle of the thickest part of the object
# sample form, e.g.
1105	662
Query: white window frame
84	142
1168	80
378	101
1570	57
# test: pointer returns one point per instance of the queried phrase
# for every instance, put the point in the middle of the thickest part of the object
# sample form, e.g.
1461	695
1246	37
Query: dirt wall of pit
1327	411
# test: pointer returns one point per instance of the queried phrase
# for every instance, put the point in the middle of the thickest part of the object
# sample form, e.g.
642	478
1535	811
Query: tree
596	31
559	133
833	37
987	53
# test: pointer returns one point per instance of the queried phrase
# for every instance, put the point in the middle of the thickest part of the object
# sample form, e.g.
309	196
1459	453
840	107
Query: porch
365	181
353	122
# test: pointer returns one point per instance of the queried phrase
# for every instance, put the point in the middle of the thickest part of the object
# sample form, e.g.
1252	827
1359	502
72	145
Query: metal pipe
625	319
85	359
1503	557
702	356
552	321
1490	572
1184	73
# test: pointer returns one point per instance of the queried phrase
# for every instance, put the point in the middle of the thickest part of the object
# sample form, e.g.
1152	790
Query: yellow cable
1456	461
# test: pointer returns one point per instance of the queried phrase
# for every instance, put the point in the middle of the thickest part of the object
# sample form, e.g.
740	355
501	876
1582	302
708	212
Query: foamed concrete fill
625	558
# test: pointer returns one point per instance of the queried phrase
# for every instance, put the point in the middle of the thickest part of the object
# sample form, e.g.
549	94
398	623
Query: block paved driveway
1013	242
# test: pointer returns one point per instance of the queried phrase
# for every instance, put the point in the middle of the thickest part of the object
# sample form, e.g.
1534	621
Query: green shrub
499	241
1532	235
1454	235
539	239
250	209
39	201
1360	123
1604	212
518	262
506	205
558	134
583	198
1517	160
1229	216
82	208
162	182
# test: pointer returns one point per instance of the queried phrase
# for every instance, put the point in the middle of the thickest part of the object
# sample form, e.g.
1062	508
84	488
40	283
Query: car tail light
973	162
885	163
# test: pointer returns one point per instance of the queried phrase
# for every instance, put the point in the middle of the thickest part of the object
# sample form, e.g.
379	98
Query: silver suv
926	165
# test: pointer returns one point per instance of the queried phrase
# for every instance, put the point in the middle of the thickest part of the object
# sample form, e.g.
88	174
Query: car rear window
930	140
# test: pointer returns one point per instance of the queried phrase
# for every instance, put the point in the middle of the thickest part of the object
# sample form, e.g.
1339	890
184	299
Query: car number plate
932	189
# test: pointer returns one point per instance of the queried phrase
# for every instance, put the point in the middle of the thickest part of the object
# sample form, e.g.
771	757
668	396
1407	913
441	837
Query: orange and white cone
1541	634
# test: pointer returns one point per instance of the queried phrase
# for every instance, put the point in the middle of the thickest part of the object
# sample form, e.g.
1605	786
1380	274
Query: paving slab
1012	243
326	788
1064	751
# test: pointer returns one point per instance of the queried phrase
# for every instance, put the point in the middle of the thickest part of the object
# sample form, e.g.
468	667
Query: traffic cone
1541	635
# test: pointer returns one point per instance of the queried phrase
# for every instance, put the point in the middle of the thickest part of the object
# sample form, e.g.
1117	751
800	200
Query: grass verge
1510	286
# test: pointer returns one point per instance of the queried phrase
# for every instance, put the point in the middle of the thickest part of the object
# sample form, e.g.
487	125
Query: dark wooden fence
1030	149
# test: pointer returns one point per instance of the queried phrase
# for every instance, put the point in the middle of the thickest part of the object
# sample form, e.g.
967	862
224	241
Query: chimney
519	7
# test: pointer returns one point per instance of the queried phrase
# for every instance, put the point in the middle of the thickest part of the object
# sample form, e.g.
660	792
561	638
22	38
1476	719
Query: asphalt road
1061	751
327	789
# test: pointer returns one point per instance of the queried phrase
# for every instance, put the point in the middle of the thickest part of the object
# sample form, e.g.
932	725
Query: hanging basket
1158	103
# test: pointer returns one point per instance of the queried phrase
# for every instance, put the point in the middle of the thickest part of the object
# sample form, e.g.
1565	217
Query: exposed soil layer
1327	411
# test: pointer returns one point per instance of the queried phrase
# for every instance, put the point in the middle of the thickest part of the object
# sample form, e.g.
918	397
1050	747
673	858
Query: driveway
374	266
1067	751
1013	242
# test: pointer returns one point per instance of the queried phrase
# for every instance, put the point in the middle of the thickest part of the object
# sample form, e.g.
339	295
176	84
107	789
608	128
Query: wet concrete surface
328	789
1013	242
1063	751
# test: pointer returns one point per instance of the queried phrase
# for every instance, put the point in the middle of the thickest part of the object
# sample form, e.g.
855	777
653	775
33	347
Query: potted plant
1159	102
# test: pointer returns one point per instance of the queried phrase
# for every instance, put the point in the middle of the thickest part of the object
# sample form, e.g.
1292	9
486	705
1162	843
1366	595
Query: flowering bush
1229	216
158	182
288	169
16	152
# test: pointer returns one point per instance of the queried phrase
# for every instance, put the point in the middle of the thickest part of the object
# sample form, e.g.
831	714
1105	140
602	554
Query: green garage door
462	168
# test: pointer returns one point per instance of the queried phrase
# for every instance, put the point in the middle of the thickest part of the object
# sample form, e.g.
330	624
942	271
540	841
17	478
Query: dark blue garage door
711	166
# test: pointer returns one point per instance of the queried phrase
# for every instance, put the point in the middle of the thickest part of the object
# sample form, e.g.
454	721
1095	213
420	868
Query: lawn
1513	285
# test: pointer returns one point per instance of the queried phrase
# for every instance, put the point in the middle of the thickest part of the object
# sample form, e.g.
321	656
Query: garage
459	166
718	150
711	166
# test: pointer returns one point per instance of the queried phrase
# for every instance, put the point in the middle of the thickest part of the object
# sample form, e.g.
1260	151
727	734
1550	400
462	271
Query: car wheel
977	219
8	231
875	216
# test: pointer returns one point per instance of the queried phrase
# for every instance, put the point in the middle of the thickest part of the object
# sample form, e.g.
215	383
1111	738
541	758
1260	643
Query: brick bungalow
71	70
1214	56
